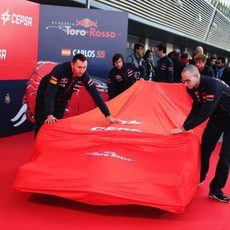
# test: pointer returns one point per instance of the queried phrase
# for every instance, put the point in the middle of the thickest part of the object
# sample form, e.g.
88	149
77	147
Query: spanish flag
66	52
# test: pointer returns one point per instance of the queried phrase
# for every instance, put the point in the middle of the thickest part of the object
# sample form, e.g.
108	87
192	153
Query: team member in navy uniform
164	66
121	77
56	89
212	100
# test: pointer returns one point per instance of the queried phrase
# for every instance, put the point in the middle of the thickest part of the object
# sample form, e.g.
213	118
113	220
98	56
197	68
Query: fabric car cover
138	162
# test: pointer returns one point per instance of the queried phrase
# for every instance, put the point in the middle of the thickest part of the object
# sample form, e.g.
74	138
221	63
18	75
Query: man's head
118	61
190	76
176	54
185	57
139	50
79	65
148	55
220	62
199	50
161	50
213	60
200	61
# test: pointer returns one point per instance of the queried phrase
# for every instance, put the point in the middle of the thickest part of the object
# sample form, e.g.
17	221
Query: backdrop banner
63	32
11	94
19	38
66	31
18	58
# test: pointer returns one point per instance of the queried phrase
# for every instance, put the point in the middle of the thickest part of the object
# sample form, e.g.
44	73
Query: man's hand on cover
178	130
113	120
51	119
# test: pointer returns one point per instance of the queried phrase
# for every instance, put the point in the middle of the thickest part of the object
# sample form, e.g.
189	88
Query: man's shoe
219	196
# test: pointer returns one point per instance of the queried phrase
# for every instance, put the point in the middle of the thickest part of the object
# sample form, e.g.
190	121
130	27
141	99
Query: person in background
178	66
164	66
200	62
56	88
121	76
171	55
213	63
150	71
212	101
222	70
137	59
200	50
185	57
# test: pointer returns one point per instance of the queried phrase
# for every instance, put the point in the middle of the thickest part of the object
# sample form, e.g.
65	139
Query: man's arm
194	110
196	106
211	72
207	108
170	71
142	70
91	88
50	94
226	76
111	86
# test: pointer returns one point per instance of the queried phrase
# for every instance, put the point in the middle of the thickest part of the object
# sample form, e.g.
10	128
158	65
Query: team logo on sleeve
90	82
64	80
130	72
118	78
53	80
209	97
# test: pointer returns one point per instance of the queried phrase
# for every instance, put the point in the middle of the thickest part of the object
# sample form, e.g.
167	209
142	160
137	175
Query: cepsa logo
87	53
90	29
17	19
99	129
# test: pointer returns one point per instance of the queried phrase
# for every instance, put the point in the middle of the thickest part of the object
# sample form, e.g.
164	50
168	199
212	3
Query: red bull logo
86	23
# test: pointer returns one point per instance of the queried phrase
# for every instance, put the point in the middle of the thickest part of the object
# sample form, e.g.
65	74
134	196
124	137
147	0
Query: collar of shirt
219	72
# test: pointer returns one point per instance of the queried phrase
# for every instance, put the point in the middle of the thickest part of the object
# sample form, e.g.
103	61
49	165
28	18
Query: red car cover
138	162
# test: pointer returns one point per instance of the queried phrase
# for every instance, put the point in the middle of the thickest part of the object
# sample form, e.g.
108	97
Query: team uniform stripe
54	78
210	96
90	82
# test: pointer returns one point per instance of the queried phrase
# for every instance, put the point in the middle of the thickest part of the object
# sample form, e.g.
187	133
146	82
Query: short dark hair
161	47
221	58
184	55
177	54
171	55
118	56
80	57
138	46
212	58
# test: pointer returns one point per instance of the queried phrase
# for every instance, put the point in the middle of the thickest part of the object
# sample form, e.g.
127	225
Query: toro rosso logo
83	27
